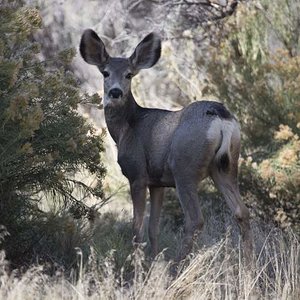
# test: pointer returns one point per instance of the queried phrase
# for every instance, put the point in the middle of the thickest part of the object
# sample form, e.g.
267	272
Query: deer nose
115	93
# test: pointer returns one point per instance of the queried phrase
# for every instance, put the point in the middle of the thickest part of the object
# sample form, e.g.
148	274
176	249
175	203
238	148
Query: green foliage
43	140
113	236
254	68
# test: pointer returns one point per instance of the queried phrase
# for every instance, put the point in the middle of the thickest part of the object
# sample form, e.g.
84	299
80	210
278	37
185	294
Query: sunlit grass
213	271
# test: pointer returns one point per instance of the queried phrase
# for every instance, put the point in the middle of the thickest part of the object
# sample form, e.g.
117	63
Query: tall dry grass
213	272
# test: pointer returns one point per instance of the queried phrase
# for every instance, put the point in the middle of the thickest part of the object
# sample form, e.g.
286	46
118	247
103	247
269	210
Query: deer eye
129	76
105	74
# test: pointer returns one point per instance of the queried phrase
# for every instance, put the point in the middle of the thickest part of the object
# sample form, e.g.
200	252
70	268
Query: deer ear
92	49
147	52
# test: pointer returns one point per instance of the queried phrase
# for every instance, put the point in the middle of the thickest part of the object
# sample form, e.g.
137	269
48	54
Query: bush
254	68
43	140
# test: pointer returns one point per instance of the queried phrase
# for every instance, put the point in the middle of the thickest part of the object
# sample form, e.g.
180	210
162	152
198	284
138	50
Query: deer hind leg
138	195
228	186
156	195
194	221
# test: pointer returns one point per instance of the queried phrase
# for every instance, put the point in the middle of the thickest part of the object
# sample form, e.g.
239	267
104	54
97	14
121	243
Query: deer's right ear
92	49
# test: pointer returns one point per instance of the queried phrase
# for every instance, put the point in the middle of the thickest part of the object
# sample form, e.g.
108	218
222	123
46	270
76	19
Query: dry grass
215	272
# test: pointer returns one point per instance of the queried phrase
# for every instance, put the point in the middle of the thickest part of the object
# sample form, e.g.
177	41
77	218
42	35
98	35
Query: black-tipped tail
223	163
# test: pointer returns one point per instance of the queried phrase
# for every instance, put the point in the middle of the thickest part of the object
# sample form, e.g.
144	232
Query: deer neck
119	119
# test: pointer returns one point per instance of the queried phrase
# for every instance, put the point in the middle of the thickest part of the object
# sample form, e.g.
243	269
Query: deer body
142	152
160	148
145	152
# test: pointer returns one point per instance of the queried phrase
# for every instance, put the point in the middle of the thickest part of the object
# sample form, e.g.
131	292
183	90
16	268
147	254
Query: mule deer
159	148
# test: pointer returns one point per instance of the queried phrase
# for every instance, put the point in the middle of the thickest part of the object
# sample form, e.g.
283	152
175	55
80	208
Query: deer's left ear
147	52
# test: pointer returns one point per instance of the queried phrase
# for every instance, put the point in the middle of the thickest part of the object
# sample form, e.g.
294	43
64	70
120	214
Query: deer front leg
138	195
156	195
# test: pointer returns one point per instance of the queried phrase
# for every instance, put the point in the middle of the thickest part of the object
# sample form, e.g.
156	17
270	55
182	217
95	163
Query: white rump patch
223	130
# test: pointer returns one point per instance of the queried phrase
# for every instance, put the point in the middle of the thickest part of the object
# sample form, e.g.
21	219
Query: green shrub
43	140
254	68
